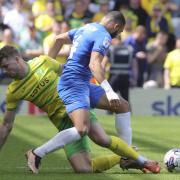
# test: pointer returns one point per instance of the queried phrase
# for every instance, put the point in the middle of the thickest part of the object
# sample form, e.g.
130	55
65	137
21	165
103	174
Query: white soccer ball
172	160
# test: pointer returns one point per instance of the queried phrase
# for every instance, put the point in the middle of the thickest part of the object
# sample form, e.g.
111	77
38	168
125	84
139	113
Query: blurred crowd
151	33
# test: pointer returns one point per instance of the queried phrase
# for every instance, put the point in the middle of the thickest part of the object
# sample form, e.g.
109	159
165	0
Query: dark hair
117	17
7	52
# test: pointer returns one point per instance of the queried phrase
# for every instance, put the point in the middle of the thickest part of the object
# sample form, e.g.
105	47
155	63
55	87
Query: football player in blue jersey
90	44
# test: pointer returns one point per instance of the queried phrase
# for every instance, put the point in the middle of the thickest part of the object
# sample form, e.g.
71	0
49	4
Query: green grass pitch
152	135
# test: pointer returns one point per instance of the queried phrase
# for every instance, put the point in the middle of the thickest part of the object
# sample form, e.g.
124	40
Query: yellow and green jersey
39	87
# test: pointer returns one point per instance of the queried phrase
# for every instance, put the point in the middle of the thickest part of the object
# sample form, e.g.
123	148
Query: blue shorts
79	95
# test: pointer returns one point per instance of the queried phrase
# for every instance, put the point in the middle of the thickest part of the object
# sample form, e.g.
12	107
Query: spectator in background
167	8
7	4
30	42
156	54
39	7
131	21
3	10
8	38
175	7
2	28
78	15
120	58
156	23
135	7
94	6
148	5
1	16
45	21
68	6
120	3
58	28
172	68
138	42
88	13
127	30
104	9
16	18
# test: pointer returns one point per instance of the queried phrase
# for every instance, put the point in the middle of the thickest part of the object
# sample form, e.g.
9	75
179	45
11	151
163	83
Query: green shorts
81	145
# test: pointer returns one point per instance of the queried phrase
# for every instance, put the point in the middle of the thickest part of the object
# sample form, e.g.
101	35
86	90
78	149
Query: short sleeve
101	45
167	64
72	33
11	101
53	64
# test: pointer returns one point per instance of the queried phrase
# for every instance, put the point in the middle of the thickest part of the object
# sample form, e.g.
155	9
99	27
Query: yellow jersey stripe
48	101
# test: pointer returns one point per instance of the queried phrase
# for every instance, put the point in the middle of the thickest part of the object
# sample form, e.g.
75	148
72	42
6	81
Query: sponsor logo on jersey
39	87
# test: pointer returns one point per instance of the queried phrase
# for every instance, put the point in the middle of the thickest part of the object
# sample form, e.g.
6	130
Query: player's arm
60	40
6	126
105	62
98	70
96	66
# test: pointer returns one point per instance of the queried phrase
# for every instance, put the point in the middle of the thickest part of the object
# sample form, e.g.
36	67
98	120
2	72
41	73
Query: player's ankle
142	160
36	154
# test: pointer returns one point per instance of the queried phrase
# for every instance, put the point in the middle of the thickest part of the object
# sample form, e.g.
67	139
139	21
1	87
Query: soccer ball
172	160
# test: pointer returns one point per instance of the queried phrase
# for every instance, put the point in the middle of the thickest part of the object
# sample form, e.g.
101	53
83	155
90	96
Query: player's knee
84	169
123	108
82	130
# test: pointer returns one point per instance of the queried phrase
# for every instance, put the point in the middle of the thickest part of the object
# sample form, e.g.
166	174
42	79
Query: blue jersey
89	38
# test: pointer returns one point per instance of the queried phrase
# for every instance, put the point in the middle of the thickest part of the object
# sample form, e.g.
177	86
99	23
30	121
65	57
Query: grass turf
152	135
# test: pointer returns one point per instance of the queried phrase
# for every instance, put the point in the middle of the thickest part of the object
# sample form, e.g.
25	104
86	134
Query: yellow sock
105	162
119	147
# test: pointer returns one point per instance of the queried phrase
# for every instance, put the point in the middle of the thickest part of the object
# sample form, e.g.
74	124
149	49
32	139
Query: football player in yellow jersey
35	81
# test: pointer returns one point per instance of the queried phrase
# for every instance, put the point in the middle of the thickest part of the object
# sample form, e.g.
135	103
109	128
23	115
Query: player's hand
113	99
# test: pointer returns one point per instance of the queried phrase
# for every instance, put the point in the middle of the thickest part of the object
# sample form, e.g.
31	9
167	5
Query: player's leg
123	116
64	137
77	109
75	96
98	135
81	161
118	146
78	155
80	120
97	164
79	158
